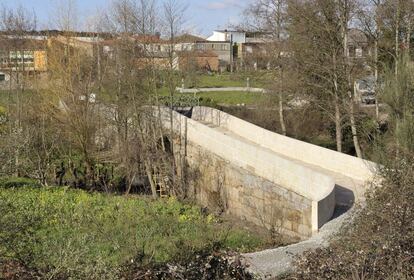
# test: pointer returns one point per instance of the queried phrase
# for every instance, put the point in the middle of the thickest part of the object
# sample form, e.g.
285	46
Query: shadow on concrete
186	111
345	199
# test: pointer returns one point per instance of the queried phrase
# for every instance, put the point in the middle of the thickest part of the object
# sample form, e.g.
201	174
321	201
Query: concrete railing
312	185
346	165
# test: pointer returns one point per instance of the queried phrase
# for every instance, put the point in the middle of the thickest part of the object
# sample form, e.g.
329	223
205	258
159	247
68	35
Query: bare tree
369	17
346	9
271	16
15	24
315	40
173	20
65	15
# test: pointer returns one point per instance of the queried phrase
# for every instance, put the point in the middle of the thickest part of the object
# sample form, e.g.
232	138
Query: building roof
248	32
189	38
27	44
51	33
148	39
214	42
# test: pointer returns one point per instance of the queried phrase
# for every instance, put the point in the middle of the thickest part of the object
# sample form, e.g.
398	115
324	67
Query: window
2	77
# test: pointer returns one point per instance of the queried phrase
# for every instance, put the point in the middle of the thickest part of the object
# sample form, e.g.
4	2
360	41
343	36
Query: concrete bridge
271	180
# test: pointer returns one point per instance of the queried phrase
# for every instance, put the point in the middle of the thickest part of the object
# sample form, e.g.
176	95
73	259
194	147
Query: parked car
365	90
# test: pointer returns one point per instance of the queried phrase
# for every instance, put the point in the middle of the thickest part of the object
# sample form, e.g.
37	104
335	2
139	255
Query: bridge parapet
321	170
263	162
328	160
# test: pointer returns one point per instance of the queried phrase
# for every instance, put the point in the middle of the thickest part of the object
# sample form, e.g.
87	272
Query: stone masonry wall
222	186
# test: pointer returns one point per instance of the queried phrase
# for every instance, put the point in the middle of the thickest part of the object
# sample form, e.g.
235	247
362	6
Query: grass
231	97
224	80
90	236
222	98
4	98
257	79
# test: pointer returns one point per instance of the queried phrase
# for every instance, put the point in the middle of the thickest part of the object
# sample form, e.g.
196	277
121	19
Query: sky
202	16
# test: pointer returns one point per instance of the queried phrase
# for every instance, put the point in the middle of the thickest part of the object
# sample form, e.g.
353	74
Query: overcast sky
203	16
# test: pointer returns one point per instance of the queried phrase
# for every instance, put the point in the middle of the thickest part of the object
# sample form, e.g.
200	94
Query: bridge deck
347	189
272	262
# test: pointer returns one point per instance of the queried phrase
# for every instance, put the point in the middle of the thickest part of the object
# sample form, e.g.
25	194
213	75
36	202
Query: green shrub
15	182
73	234
241	241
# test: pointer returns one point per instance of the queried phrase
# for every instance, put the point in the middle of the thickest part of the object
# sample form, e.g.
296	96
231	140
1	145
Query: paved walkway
220	89
273	262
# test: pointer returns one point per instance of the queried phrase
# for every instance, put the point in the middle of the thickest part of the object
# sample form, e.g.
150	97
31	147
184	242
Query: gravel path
273	262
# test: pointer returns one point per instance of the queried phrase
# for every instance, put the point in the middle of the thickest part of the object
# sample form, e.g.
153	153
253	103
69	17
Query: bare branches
17	20
173	18
65	15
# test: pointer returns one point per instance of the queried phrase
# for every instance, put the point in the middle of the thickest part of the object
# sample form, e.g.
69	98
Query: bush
379	242
15	182
64	233
241	241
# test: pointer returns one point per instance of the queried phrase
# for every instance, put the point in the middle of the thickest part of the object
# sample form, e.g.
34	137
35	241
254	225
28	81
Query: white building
238	37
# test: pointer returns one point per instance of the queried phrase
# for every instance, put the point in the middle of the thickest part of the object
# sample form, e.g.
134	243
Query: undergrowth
60	233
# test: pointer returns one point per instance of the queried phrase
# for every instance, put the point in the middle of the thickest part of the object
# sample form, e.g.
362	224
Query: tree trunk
397	32
338	121
281	109
281	115
344	29
151	180
376	79
17	163
129	185
354	129
409	30
338	125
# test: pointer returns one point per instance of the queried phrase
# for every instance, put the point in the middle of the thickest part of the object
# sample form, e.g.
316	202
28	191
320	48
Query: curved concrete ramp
329	180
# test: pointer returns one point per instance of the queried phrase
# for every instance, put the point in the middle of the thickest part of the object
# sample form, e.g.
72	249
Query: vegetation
65	233
378	243
230	80
232	97
54	133
226	98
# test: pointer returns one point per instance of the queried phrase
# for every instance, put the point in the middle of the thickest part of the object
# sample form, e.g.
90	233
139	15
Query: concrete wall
327	159
293	177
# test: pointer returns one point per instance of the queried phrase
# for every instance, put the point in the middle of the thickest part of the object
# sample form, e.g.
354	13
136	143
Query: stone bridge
271	180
